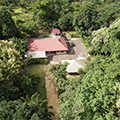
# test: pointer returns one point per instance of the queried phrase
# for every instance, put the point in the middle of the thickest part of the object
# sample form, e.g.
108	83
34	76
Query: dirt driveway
78	50
52	94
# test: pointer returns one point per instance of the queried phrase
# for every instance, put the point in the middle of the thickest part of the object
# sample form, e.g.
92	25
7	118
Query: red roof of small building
55	31
47	44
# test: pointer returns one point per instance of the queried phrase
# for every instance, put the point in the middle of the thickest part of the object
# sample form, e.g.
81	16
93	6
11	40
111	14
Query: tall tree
84	19
34	109
10	60
20	44
10	67
7	25
98	94
105	41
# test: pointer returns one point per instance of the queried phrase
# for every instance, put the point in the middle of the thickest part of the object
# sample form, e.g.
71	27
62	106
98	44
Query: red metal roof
47	44
55	31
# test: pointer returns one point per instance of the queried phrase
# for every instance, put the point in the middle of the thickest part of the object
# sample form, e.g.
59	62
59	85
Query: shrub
89	58
38	61
73	34
46	61
44	36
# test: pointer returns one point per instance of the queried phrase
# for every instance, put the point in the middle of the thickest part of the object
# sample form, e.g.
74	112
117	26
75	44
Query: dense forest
95	94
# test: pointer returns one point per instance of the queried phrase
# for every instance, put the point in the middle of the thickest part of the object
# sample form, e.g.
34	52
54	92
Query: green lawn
37	71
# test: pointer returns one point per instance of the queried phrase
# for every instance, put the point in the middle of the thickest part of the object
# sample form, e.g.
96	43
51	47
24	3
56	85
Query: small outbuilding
56	33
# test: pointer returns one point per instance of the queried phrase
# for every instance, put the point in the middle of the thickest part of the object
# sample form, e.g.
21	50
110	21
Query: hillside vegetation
95	94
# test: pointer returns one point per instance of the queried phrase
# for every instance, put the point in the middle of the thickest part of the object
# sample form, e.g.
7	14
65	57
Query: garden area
45	86
37	71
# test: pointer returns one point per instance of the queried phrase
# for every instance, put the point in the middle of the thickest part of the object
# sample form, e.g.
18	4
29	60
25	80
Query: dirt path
52	94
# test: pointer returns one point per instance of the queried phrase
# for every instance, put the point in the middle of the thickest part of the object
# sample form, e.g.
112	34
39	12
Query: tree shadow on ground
50	57
70	48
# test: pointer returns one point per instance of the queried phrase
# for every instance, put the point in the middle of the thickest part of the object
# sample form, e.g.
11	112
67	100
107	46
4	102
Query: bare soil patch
52	94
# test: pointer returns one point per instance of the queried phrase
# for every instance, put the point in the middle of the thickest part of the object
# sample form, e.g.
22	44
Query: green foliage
7	25
31	84
29	28
9	2
52	13
10	60
97	96
108	13
38	61
37	83
103	1
87	41
68	108
45	14
25	3
97	93
88	15
65	21
14	84
66	15
20	44
73	34
58	71
100	42
10	69
44	36
93	95
33	109
59	74
85	19
67	89
105	41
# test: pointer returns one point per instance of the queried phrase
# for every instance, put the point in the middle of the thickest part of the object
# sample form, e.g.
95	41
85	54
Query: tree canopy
7	26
